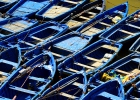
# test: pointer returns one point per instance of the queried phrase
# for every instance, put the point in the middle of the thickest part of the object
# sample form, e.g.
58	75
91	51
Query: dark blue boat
133	93
6	4
28	8
10	60
59	9
104	21
126	68
12	26
111	90
62	47
38	35
30	79
135	46
84	14
127	30
93	58
72	87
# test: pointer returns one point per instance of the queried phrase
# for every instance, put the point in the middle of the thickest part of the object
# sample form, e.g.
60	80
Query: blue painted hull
72	87
27	8
33	37
125	68
12	26
59	9
125	31
92	59
30	79
111	90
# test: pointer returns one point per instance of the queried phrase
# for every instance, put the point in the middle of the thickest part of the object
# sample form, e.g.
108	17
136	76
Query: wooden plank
36	38
78	84
32	45
72	70
99	8
55	54
92	31
97	64
105	24
73	23
68	95
84	18
93	59
92	13
83	65
110	47
71	2
121	71
124	31
134	26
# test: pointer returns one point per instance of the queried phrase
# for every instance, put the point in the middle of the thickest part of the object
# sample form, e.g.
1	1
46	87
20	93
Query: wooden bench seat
124	31
83	65
123	72
108	25
110	47
36	38
27	43
134	26
68	95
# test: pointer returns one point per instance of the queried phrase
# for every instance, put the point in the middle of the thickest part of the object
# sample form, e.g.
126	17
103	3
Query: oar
61	87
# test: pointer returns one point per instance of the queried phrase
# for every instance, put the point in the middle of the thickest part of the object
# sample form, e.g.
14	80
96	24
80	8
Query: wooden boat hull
72	87
62	47
92	59
27	8
30	79
10	60
33	37
15	25
104	21
112	89
84	14
124	31
59	9
135	46
125	68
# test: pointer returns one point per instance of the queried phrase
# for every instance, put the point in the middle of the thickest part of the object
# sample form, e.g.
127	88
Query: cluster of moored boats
65	49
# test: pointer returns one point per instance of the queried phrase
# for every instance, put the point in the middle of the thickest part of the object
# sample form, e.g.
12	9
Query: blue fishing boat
72	87
35	36
111	90
133	93
126	68
73	42
12	26
84	14
59	9
6	4
10	60
127	30
93	58
104	21
30	79
135	46
61	47
28	8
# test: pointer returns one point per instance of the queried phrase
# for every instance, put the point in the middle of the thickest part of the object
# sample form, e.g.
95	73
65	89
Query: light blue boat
27	8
